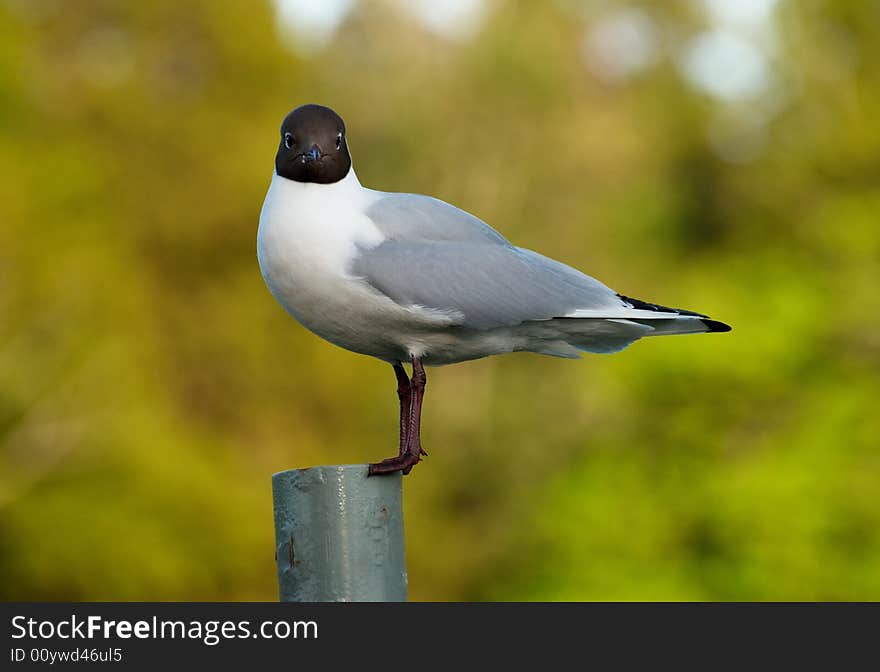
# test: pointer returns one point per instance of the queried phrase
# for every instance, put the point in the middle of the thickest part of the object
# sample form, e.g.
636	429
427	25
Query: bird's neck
306	200
348	187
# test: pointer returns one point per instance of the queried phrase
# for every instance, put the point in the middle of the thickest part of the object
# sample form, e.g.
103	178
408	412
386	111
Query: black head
313	146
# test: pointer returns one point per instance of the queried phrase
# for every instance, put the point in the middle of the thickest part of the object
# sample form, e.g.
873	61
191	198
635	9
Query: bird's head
313	146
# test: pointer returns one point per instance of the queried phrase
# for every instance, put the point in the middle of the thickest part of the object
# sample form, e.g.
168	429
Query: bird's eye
288	140
339	141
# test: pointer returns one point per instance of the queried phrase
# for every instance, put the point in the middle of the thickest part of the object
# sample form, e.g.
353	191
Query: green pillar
339	535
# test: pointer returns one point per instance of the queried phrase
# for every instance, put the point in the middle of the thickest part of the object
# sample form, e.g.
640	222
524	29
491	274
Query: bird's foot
403	463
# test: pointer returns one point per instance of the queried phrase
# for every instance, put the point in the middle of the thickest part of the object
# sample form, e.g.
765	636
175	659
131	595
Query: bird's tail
611	330
667	320
682	325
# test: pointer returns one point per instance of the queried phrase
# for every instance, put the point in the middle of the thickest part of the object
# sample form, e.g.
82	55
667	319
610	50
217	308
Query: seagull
410	278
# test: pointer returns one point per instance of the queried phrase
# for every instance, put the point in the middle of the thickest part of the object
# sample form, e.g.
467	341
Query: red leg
411	393
419	379
404	394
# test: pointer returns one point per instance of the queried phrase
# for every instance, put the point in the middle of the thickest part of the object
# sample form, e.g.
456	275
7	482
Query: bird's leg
410	393
404	394
402	459
419	379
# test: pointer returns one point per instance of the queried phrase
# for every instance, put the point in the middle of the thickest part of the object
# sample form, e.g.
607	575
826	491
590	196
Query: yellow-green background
150	385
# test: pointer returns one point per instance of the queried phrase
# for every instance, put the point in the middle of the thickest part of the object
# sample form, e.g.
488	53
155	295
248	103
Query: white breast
308	235
324	220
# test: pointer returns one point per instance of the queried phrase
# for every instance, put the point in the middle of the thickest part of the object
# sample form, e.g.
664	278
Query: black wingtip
714	326
656	307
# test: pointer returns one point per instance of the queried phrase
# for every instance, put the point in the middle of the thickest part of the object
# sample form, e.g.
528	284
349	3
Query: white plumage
397	276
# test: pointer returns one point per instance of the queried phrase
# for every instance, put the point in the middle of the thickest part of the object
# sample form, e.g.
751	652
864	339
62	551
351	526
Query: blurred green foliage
149	383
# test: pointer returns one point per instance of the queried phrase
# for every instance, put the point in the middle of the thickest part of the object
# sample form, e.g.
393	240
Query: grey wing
415	217
489	284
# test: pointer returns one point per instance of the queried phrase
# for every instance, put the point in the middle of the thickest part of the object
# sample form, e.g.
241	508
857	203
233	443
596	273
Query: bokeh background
719	156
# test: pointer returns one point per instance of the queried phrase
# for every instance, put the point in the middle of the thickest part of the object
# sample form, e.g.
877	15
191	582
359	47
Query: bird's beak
312	155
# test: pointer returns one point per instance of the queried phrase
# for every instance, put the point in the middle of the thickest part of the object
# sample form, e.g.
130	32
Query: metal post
339	535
